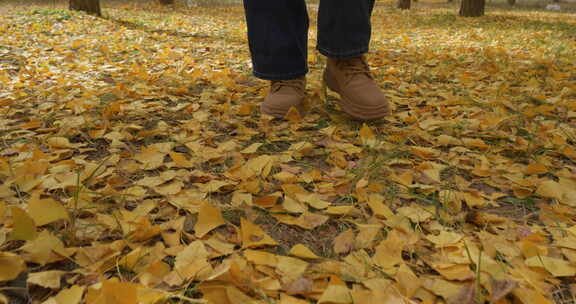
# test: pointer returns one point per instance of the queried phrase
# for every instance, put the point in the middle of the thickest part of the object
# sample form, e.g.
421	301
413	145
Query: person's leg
344	27
278	38
344	32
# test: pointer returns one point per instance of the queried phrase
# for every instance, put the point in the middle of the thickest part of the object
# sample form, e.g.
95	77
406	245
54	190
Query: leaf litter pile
136	168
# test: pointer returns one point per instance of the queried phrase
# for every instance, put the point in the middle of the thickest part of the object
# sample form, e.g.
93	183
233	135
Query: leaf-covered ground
135	166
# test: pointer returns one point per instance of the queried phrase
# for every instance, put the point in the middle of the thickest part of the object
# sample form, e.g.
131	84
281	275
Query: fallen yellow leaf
557	267
337	292
47	279
46	211
209	217
24	227
302	251
254	236
445	238
535	168
11	266
72	295
59	143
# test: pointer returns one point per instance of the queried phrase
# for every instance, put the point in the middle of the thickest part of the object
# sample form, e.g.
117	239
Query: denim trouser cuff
281	76
342	54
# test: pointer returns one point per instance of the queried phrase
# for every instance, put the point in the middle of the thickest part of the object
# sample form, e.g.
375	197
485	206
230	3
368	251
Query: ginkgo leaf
445	238
259	257
213	186
313	200
252	148
267	201
535	168
501	288
11	266
47	279
378	207
191	263
209	217
528	295
59	143
239	198
367	136
302	285
550	189
389	252
24	227
151	158
72	295
293	115
119	292
3	212
46	248
294	206
235	296
286	299
302	251
415	213
557	267
290	269
170	188
344	242
254	236
180	160
408	282
455	272
425	152
337	292
46	211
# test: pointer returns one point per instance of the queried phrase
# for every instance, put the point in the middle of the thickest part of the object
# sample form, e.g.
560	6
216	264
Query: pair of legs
278	34
278	41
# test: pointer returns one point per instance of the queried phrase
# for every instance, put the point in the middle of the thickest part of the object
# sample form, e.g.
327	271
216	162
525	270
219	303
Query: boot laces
291	83
354	67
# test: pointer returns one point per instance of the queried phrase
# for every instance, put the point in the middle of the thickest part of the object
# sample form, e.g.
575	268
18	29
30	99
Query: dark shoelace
292	83
353	67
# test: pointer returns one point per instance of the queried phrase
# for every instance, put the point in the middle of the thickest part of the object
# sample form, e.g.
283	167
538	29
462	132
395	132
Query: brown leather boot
283	95
360	97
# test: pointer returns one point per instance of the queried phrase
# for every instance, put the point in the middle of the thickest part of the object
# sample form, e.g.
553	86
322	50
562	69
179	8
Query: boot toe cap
279	105
367	107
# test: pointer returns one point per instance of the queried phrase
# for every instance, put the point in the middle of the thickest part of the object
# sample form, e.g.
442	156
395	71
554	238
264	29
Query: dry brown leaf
344	242
501	288
302	285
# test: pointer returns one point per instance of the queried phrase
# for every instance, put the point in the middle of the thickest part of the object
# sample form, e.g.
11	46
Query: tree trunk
403	4
166	2
472	8
511	2
91	7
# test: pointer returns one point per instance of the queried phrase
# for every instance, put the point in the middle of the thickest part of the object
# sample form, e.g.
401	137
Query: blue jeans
278	34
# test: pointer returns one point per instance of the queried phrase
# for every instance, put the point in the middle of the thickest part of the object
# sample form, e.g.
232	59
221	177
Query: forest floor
135	166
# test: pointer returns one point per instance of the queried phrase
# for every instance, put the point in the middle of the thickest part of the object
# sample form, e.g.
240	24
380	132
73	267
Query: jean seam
351	53
293	75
